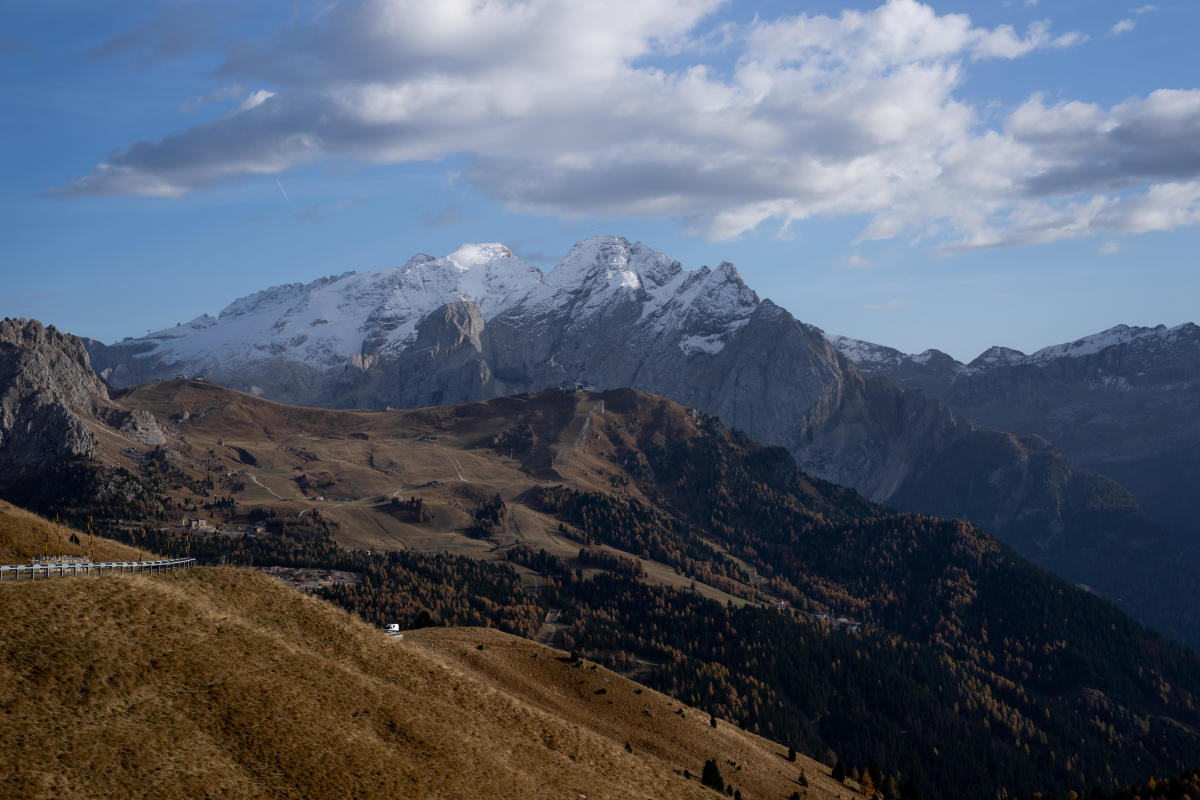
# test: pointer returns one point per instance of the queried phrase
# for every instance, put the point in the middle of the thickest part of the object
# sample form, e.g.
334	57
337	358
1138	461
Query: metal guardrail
35	571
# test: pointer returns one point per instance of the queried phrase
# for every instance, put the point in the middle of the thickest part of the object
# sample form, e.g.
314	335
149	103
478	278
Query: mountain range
1122	402
646	535
481	323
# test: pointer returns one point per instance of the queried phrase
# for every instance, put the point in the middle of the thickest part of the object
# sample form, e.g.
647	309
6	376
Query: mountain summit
481	323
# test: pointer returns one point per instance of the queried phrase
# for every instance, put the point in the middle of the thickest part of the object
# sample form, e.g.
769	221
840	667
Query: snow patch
1117	335
702	344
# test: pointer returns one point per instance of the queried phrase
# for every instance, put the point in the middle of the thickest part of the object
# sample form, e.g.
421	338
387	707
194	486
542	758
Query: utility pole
90	550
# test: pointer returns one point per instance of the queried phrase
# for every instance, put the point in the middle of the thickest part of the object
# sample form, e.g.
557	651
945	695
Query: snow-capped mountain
1124	402
353	320
481	323
332	321
880	359
1145	340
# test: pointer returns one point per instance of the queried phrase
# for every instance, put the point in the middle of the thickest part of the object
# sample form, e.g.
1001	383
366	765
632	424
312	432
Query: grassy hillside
681	553
24	535
222	682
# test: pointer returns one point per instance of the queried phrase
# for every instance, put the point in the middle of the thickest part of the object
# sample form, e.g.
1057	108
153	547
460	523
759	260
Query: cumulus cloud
1082	147
575	110
1122	26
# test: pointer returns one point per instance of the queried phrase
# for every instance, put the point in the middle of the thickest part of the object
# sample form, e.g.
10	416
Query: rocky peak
996	356
46	386
50	398
40	359
1157	337
472	255
611	263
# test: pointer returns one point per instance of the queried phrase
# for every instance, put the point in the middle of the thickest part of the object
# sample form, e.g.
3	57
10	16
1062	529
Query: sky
953	174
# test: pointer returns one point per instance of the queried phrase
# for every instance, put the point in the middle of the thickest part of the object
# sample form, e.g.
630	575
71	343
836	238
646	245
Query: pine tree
711	776
791	753
876	773
839	772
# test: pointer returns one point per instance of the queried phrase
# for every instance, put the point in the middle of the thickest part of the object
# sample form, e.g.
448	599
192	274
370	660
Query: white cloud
567	109
888	306
255	99
1146	9
1111	247
1162	207
855	260
1122	26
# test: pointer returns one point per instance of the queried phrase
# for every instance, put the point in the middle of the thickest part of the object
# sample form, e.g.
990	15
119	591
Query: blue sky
950	175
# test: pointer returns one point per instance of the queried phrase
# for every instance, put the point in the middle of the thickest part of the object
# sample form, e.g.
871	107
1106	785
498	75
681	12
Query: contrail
281	191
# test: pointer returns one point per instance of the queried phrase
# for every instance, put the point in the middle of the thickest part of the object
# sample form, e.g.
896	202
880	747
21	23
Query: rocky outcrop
47	389
446	364
52	403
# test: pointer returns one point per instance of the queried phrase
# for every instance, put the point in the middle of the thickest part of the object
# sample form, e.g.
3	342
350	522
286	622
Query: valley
673	549
222	680
526	399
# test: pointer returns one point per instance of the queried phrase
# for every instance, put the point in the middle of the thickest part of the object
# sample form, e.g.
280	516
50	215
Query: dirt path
262	485
453	461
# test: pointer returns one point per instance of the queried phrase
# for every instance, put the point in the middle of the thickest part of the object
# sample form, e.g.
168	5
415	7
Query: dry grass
23	536
441	454
225	683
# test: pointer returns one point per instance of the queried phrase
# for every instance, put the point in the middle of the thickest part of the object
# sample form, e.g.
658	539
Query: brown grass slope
23	535
224	683
350	464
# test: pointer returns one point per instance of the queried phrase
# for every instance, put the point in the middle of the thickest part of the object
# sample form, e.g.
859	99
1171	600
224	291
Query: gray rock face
47	389
137	426
445	365
51	401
